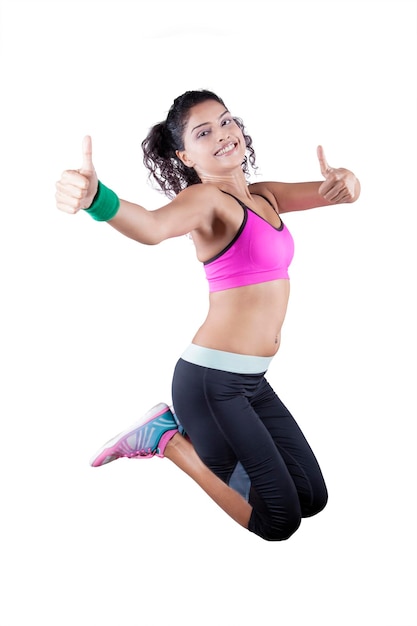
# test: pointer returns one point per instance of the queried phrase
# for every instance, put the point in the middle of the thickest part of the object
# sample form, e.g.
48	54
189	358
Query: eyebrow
205	123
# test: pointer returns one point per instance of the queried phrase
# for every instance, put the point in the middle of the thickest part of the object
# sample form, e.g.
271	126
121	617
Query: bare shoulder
205	200
220	218
195	208
203	195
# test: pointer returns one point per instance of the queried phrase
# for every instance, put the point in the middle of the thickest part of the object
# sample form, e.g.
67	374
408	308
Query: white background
92	323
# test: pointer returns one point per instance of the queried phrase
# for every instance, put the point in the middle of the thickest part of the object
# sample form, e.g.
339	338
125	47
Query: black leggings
233	418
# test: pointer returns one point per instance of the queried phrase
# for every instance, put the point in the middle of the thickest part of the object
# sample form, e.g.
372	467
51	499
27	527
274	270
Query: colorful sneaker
143	440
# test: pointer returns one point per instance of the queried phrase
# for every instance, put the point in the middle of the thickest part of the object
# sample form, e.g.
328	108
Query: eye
203	133
226	121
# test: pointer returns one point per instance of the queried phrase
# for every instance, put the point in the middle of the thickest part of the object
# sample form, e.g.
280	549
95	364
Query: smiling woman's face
213	142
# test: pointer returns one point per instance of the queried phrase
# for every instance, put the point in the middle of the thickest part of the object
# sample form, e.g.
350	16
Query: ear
182	155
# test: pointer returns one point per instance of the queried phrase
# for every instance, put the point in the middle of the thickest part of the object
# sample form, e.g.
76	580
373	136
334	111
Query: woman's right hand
76	188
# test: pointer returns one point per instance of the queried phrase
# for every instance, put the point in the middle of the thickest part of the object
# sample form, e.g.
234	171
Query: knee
280	530
285	531
322	502
318	503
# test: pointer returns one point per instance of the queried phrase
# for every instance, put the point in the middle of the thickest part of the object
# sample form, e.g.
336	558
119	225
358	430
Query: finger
63	205
75	191
64	200
339	198
87	148
73	178
334	192
329	184
330	189
324	166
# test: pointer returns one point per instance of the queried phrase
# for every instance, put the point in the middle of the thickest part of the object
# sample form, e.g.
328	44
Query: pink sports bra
258	253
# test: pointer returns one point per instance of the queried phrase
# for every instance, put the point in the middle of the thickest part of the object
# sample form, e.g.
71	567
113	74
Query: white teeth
226	149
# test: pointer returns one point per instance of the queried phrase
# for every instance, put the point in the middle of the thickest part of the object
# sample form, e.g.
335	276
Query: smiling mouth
230	146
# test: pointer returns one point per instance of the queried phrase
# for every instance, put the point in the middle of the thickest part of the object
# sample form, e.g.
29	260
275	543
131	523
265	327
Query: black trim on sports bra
235	238
242	226
268	201
279	228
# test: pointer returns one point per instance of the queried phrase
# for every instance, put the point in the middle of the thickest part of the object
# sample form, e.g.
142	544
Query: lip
230	147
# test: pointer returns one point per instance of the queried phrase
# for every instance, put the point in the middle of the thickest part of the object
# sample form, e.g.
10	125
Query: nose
222	134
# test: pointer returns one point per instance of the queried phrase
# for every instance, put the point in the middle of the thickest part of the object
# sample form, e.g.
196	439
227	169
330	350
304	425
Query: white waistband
226	361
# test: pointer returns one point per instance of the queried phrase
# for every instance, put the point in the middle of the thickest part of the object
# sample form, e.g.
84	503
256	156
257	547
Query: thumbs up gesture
76	188
340	185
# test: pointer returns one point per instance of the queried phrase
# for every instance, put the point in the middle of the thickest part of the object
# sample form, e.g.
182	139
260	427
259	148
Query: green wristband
105	204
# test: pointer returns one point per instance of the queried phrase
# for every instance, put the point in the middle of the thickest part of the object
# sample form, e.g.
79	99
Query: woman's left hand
340	185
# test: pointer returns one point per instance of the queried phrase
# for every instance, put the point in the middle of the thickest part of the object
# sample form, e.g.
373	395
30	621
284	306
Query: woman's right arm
192	209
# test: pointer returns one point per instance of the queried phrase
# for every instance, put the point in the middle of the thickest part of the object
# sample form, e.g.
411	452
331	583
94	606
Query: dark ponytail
164	166
164	139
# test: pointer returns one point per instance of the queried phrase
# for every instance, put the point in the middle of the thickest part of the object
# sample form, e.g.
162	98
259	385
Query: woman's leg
294	449
156	434
215	409
225	428
181	452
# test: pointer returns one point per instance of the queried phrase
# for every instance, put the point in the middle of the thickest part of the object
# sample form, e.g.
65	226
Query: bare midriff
246	320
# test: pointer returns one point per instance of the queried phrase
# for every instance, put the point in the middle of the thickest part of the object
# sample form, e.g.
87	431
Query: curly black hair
165	138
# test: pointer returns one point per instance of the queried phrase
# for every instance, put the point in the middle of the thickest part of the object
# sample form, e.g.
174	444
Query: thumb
324	166
87	149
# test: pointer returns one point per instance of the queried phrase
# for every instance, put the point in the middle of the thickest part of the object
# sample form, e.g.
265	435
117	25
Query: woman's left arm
339	186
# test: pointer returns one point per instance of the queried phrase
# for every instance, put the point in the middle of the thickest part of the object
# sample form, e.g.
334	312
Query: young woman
233	420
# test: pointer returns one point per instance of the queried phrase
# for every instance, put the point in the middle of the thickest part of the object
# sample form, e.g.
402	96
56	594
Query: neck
234	183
